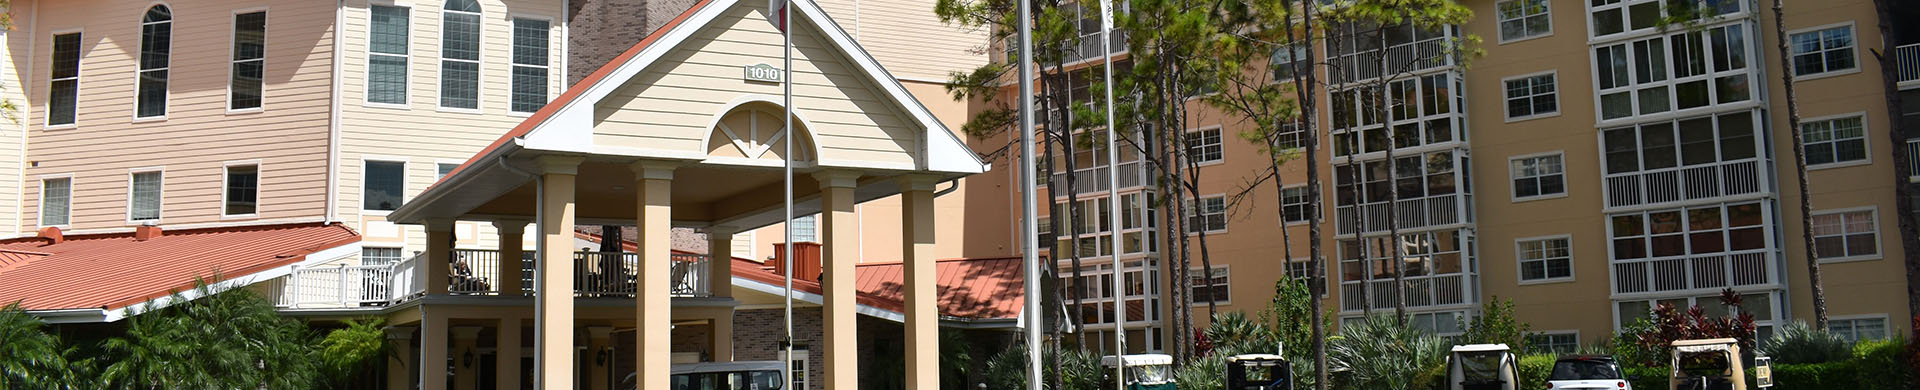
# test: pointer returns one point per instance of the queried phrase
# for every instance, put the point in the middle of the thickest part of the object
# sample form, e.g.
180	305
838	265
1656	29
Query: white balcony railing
1907	58
1093	180
613	274
1685	183
1691	273
337	286
1421	291
475	272
1413	213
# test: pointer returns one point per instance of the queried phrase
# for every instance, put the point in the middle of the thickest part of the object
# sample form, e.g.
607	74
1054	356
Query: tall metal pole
1028	209
1113	202
786	159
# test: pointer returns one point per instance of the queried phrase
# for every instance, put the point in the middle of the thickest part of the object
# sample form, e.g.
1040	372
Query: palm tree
1380	352
29	356
224	339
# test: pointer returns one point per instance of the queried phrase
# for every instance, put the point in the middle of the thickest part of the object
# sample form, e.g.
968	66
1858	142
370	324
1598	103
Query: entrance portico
670	134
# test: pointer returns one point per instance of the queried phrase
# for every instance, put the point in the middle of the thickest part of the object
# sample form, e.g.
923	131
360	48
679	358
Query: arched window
156	46
460	54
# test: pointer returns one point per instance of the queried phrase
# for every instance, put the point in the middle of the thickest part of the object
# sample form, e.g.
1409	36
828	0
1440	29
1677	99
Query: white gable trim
571	127
713	124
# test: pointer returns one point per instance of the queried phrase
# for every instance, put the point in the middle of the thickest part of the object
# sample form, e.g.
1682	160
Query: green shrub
1829	375
1880	364
1643	377
1380	353
1078	370
1534	370
1797	343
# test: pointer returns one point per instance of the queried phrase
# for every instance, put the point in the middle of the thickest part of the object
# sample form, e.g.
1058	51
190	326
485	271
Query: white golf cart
1711	364
1482	367
1144	371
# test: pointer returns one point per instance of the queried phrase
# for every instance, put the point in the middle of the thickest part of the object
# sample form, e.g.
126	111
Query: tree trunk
1384	102
1903	163
1800	168
1358	177
1315	251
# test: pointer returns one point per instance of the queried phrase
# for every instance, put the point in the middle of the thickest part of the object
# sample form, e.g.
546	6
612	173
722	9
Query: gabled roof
114	271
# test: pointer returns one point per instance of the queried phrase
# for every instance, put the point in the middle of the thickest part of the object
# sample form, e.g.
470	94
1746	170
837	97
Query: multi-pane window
1203	146
387	53
1209	290
1692	141
1520	19
1291	135
529	64
64	89
249	60
1416	176
441	170
460	54
1298	269
243	190
56	201
379	256
1857	329
1835	140
1288	60
1696	230
1420	107
1537	176
1207	214
156	48
384	183
1295	204
804	229
143	196
1760	305
1690	69
1530	96
1822	51
1845	235
1092	218
1545	259
1554	343
1424	254
1618	16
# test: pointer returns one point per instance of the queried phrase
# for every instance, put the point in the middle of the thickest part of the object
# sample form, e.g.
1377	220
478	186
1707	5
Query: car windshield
1573	370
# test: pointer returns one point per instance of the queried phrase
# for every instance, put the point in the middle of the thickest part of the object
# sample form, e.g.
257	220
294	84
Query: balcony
1710	272
1684	183
1907	59
1421	291
1412	213
474	272
1086	181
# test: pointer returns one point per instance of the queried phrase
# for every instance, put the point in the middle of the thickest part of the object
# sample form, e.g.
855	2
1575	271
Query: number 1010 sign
761	73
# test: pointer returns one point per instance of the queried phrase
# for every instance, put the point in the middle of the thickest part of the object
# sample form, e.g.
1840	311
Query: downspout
333	118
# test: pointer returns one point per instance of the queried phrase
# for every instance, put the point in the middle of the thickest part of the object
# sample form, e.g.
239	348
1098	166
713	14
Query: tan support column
598	339
399	377
723	337
506	371
508	279
554	318
433	351
465	358
439	254
840	253
720	283
653	304
923	312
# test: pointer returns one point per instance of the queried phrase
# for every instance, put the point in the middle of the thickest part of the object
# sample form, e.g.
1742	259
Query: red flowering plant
1672	325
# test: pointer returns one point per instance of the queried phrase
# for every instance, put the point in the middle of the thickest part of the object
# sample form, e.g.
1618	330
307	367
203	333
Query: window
1537	176
1690	69
1422	109
1835	140
1531	96
243	190
441	170
64	91
143	196
249	60
1698	230
1845	235
1693	141
387	55
1207	214
742	245
1521	19
1203	146
1416	176
379	256
1295	204
1822	51
1554	342
1298	270
56	201
1425	254
804	229
1209	290
1285	59
460	54
156	45
1545	259
384	182
529	64
1857	329
799	366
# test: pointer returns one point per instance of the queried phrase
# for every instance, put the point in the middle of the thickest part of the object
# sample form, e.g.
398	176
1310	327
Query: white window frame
1852	32
800	356
1326	287
1562	332
1193	210
813	227
1220	271
42	208
79	66
139	54
226	172
1307	204
404	167
1512	192
406	89
1201	133
1879	236
160	210
1885	324
401	250
1498	22
479	65
1519	261
1866	130
438	164
1553	76
511	64
233	30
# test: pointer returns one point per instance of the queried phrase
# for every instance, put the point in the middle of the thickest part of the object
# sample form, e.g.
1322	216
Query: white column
653	306
554	317
839	255
923	311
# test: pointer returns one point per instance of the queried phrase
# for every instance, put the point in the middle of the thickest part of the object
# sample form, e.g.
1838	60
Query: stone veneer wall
602	29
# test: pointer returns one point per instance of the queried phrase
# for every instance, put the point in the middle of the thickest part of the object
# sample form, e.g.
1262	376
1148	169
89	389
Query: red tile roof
113	271
969	288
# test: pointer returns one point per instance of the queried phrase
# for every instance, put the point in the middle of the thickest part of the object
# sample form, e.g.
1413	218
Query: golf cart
1711	364
750	375
1144	372
1482	367
1259	372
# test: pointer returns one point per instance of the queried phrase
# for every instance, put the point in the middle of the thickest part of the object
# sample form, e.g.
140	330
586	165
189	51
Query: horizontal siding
672	105
198	135
908	39
12	140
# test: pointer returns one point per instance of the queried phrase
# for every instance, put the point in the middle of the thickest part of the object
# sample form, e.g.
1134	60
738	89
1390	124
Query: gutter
438	190
333	118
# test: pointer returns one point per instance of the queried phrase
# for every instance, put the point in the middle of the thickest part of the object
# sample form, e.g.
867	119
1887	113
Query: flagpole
1113	200
1028	209
786	131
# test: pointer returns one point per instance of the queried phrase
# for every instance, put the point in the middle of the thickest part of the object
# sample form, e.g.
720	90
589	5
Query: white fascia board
324	255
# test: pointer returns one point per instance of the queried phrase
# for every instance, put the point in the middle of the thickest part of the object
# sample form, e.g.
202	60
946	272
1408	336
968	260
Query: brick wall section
694	338
602	29
756	336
